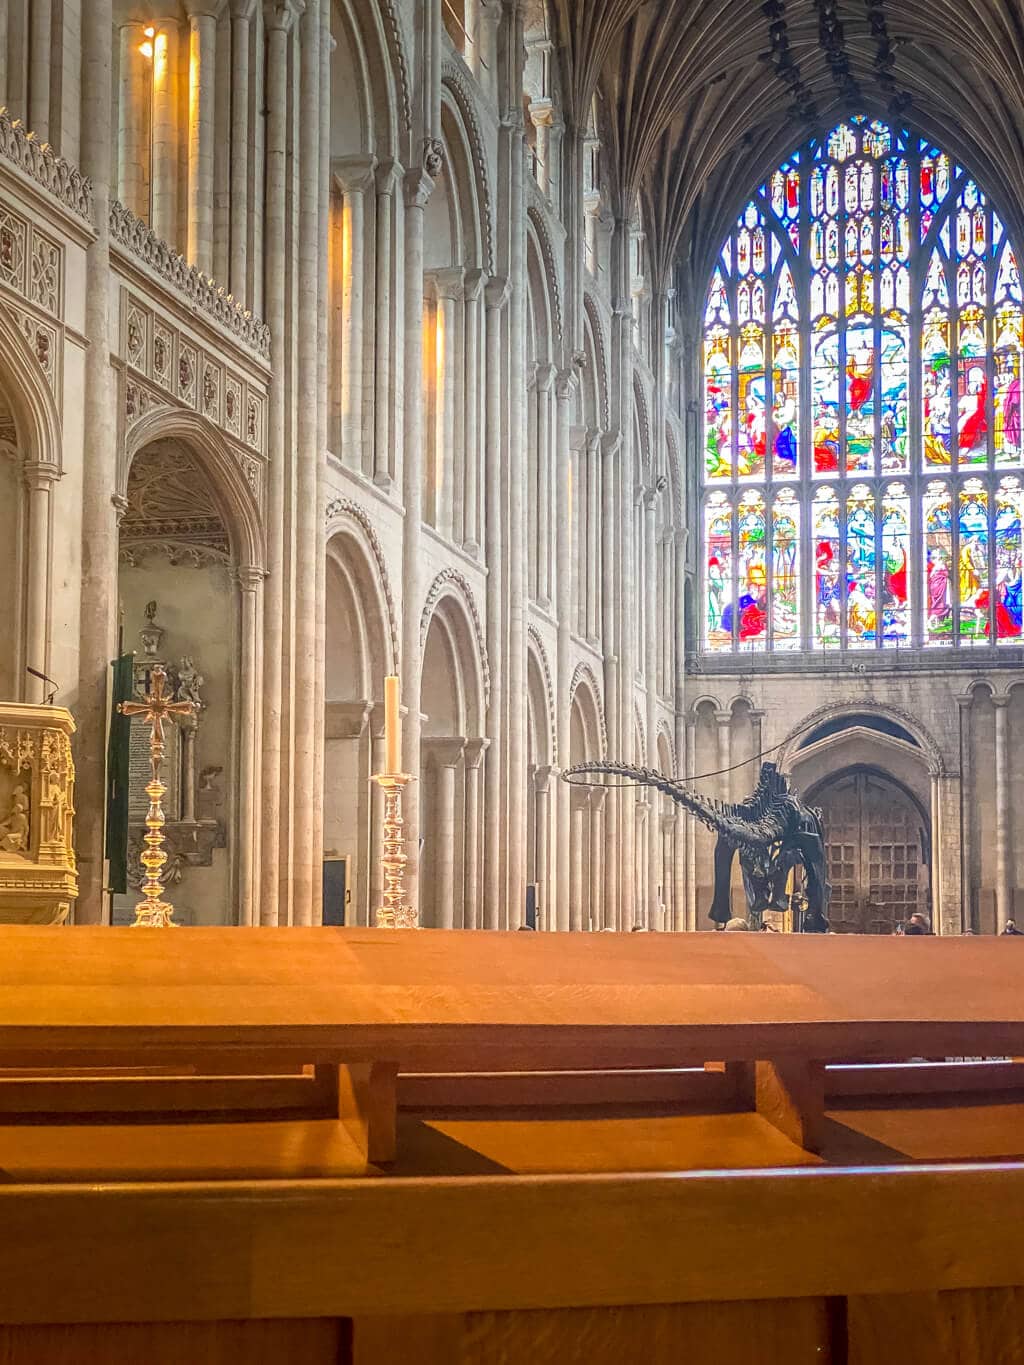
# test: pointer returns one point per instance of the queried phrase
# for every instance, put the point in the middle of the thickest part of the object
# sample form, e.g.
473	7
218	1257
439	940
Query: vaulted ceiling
700	98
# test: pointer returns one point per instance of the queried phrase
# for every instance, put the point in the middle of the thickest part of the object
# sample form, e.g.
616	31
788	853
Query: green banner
117	774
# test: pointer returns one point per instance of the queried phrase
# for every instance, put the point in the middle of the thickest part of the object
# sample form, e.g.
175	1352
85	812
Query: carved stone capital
475	750
444	751
345	719
473	286
243	9
611	443
568	382
541	778
249	577
497	292
389	176
354	174
204	9
448	283
417	186
544	377
279	15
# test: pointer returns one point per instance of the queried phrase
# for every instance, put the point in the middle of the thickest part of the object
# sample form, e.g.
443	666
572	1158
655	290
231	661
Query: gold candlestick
153	911
394	913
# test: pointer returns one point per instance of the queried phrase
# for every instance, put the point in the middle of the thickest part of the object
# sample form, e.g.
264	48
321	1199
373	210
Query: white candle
392	726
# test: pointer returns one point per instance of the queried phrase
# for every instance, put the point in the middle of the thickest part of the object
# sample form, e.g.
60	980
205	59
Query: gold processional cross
156	706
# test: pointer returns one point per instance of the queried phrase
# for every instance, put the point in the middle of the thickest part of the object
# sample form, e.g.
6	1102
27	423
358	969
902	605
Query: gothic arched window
862	393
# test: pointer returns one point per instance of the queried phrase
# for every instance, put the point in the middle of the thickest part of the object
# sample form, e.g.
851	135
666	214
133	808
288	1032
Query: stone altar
38	875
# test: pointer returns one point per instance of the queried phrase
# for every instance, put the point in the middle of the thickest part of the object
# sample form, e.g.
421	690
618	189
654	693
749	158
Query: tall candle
392	726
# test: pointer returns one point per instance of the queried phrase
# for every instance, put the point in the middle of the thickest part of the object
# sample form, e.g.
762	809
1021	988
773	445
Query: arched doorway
877	841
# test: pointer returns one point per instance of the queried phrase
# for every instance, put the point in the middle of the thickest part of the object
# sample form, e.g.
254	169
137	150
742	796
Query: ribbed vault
701	98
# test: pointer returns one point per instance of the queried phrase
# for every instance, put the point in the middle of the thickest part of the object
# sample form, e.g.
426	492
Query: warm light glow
149	32
147	50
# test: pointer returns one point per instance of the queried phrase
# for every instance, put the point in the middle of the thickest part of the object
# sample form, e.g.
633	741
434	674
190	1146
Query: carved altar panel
38	877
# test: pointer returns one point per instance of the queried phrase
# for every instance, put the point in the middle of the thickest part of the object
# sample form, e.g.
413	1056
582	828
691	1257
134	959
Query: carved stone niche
38	875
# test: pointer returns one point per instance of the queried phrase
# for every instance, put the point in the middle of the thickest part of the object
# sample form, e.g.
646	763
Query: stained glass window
863	359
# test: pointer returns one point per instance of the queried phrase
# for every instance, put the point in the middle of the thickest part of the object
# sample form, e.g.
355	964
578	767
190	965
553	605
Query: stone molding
444	582
550	267
452	79
397	42
39	161
593	315
534	637
787	753
585	672
141	241
345	507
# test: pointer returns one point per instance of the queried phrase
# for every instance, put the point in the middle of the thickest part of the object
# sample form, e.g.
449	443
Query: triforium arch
586	904
31	461
192	548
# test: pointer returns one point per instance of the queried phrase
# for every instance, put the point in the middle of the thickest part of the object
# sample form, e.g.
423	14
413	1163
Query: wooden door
877	854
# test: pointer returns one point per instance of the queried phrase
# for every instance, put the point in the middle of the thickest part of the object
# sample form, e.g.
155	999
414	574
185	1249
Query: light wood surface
369	1247
465	1001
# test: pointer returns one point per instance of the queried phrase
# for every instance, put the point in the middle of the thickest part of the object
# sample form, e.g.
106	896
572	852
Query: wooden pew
188	1121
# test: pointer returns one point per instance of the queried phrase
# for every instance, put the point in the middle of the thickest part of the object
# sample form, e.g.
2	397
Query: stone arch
369	80
547	254
666	749
596	349
465	174
585	677
231	489
455	94
643	424
32	404
544	331
787	753
541	698
347	519
451	604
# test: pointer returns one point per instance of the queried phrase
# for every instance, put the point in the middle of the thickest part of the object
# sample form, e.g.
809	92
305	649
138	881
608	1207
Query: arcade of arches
639	381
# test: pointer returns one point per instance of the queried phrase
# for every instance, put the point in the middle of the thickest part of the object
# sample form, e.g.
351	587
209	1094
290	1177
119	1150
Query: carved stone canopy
170	507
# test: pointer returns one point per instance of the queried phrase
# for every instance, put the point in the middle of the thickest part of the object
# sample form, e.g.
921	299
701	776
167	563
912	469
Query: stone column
40	48
448	382
202	90
965	823
418	185
723	719
470	529
474	753
576	883
565	391
279	16
516	586
542	843
650	647
546	485
495	298
135	85
691	827
241	19
39	481
250	584
97	635
306	803
388	178
936	852
595	917
164	168
445	756
1004	886
355	177
593	577
610	446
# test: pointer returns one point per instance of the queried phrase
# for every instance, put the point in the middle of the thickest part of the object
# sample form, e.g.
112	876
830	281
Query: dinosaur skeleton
772	831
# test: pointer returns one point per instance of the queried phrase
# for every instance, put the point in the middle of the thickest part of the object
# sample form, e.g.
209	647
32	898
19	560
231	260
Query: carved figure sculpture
773	832
14	830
